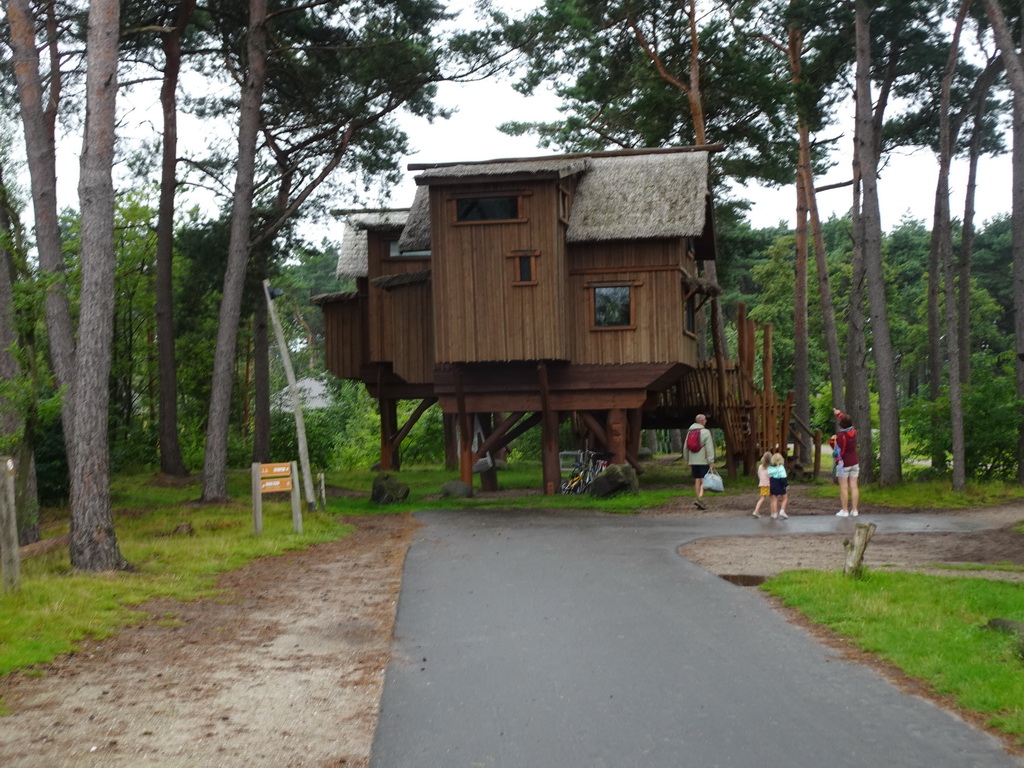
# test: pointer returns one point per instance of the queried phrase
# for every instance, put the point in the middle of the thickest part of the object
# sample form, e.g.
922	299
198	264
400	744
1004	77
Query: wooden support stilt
616	432
450	424
551	467
489	477
466	459
389	457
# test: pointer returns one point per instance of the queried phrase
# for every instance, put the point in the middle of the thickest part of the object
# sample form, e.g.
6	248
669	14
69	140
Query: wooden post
616	432
257	499
389	456
465	431
550	465
300	424
321	491
9	550
296	503
855	550
817	453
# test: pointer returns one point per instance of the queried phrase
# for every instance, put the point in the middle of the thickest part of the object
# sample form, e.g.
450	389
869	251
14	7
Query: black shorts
699	470
779	485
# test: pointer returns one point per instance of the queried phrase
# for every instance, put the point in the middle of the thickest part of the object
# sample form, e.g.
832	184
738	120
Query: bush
992	422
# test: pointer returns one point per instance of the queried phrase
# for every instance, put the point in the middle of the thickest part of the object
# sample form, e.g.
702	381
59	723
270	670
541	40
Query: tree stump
855	550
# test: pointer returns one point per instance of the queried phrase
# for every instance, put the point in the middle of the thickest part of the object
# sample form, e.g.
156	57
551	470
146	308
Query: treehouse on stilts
525	292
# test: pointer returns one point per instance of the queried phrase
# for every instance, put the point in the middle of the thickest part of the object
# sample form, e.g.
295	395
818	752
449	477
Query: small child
763	484
778	486
837	459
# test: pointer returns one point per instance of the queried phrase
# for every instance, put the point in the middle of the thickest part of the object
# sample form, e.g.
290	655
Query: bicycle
588	466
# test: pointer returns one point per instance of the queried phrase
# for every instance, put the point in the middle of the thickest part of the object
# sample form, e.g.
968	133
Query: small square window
524	267
613	306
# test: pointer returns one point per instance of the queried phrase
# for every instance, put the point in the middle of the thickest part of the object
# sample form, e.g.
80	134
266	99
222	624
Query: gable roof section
628	195
641	196
416	235
353	253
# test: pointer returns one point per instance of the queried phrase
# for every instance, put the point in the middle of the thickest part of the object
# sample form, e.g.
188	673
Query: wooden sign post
10	553
275	478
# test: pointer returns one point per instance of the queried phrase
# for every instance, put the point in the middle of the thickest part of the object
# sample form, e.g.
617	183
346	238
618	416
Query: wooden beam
398	437
494	440
595	428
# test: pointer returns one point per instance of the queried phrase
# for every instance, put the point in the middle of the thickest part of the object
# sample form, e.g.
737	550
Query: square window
613	306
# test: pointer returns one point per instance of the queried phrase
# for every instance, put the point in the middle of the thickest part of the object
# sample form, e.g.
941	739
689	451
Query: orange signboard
275	470
275	484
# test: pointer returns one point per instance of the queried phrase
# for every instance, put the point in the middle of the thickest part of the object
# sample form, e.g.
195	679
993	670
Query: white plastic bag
713	482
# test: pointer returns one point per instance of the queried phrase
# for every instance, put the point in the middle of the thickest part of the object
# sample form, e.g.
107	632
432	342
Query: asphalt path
536	639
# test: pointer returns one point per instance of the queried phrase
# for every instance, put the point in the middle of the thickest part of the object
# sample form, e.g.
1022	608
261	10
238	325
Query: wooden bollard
9	550
855	550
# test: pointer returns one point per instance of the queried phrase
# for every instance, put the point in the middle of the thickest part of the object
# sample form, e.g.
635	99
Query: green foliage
990	431
930	627
321	437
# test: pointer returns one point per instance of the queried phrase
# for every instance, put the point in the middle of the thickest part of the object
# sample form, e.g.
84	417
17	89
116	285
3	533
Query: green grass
930	627
56	608
658	485
933	494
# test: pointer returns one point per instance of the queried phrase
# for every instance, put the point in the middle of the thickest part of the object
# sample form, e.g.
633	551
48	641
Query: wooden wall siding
345	350
655	267
395	327
479	315
407	329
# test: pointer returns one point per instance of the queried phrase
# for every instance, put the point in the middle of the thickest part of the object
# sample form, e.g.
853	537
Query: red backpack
693	441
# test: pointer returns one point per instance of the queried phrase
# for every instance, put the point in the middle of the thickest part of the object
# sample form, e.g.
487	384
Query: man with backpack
700	447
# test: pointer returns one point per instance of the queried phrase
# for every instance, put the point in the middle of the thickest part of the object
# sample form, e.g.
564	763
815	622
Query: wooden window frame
564	204
394	254
519	194
514	259
591	288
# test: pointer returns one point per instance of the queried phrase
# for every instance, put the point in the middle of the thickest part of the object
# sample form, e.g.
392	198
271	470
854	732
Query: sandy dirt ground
286	668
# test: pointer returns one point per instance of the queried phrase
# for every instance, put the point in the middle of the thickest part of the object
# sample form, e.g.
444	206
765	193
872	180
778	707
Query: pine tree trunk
890	459
261	383
801	358
858	396
215	464
171	462
39	123
943	225
93	543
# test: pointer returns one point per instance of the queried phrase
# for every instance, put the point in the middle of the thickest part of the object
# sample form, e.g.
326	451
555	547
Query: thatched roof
352	256
619	196
640	196
416	235
539	168
389	282
334	298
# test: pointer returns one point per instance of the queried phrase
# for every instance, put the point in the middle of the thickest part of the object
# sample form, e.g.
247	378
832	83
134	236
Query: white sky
906	186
